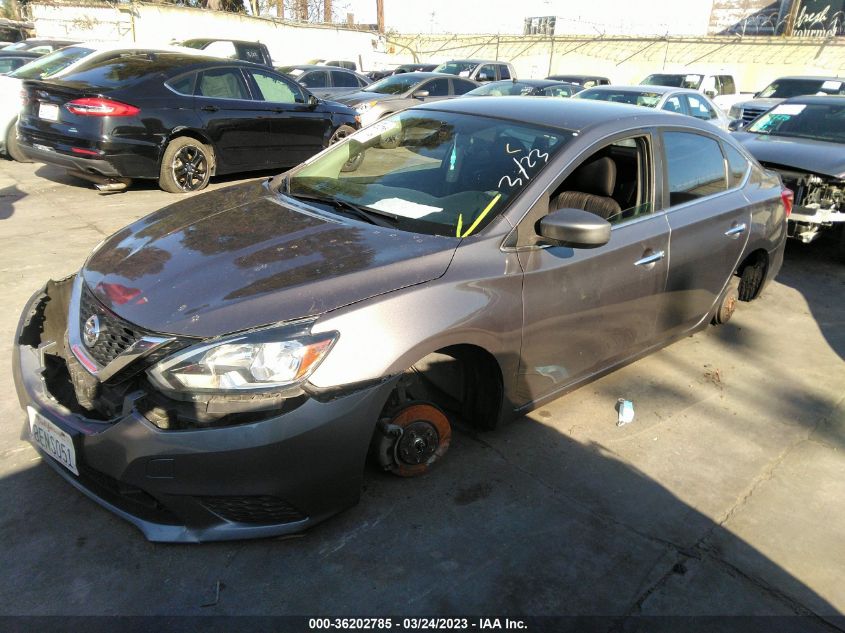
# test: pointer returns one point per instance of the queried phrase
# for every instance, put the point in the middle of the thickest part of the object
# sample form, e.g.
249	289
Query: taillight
94	106
788	197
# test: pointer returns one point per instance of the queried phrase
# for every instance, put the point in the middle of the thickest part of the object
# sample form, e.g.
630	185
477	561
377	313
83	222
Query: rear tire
185	166
751	280
13	149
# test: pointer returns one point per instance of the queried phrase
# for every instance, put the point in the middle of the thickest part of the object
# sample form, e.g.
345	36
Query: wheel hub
418	443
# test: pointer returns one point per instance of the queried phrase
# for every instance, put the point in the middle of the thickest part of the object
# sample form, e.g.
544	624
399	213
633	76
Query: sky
506	16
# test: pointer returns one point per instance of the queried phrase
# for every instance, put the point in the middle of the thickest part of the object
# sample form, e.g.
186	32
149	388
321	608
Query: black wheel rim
190	168
338	136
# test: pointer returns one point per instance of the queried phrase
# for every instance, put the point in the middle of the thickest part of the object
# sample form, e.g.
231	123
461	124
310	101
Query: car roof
173	63
643	88
813	77
476	61
26	54
419	74
819	99
577	76
536	83
566	114
315	67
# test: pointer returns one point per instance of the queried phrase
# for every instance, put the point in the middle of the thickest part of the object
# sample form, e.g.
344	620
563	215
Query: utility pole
380	15
789	27
280	9
327	11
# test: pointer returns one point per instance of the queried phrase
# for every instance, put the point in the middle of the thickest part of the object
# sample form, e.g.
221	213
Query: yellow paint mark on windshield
477	220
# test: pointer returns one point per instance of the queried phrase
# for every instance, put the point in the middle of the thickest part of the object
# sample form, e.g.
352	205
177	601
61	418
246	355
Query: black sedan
175	118
524	88
803	139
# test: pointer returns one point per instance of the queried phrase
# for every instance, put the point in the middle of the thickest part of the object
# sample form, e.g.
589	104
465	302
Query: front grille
262	510
116	335
749	114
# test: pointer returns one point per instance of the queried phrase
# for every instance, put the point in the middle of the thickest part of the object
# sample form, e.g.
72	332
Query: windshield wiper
369	215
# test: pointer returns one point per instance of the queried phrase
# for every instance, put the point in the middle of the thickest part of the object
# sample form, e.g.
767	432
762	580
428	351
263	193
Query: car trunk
47	123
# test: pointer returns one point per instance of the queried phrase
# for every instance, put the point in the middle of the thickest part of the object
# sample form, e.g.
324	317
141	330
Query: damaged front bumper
278	475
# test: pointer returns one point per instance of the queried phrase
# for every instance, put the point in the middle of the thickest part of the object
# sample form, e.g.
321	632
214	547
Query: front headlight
262	360
363	107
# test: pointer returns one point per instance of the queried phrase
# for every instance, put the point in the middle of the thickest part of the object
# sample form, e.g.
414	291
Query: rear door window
699	108
695	166
184	85
251	53
436	87
737	166
316	79
222	83
344	80
504	73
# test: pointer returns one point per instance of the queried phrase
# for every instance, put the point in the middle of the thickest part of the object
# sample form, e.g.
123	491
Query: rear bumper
114	160
273	477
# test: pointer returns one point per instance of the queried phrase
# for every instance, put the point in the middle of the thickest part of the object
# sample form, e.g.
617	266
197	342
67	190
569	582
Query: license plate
48	111
55	442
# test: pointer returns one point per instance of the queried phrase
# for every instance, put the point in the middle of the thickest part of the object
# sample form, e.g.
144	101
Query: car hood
759	103
818	157
361	97
240	258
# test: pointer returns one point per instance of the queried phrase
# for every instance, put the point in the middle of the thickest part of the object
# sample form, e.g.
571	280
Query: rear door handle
737	230
650	259
209	108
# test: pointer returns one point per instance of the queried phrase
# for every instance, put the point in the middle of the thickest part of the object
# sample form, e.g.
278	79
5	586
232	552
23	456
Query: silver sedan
679	100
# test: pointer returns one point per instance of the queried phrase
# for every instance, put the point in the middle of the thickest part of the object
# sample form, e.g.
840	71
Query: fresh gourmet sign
820	18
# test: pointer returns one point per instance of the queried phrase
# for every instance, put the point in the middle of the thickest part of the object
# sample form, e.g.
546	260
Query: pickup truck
744	112
720	88
254	52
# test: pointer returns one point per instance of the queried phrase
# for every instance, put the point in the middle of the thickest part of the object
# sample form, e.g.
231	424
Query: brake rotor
426	434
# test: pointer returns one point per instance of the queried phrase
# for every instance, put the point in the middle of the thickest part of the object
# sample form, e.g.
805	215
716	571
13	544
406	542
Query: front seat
589	188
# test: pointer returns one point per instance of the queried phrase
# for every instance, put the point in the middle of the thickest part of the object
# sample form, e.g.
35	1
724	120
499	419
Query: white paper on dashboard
404	208
789	108
831	85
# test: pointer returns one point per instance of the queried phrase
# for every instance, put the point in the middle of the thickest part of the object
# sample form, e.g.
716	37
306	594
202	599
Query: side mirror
483	77
420	94
756	95
710	93
575	228
735	125
313	101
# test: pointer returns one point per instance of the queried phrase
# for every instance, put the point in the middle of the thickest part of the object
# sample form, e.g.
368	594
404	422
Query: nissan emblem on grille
91	330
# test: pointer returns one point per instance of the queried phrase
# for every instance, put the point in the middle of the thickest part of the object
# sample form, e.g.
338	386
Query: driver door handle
209	108
650	259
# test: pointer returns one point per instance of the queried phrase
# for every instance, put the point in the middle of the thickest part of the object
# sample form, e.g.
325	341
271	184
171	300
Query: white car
679	100
54	65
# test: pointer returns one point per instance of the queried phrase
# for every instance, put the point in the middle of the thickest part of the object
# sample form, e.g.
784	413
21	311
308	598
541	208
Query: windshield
675	81
786	88
456	68
394	85
439	173
52	63
818	121
633	97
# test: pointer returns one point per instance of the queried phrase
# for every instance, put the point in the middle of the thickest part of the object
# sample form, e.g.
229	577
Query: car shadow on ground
8	197
825	289
60	175
521	521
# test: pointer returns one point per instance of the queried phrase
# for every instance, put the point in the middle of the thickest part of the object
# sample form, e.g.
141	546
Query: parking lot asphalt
726	495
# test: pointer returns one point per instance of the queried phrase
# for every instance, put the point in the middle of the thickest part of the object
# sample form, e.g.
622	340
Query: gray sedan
679	100
398	92
225	374
326	82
